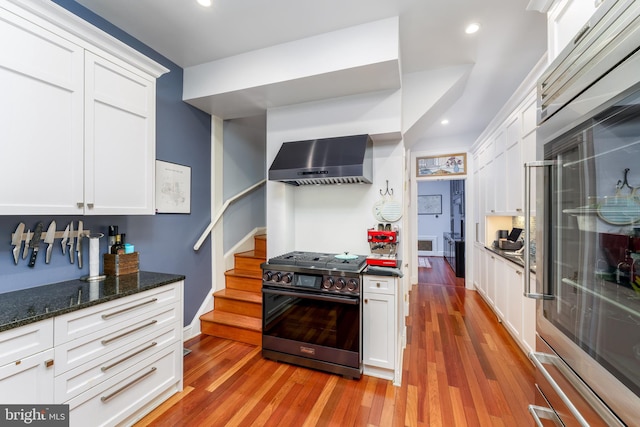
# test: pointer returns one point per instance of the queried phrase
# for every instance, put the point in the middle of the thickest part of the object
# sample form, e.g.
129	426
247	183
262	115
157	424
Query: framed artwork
449	164
173	188
430	204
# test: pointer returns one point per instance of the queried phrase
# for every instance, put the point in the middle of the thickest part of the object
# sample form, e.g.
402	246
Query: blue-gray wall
244	160
164	241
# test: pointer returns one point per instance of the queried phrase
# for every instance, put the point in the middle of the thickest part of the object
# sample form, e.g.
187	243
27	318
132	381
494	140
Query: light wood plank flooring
461	368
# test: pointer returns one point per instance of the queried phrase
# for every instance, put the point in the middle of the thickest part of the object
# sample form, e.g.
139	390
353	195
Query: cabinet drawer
85	349
82	322
379	284
73	382
122	395
18	343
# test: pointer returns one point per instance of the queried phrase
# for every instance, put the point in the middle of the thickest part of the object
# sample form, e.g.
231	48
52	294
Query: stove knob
287	278
352	285
340	285
328	283
277	277
267	275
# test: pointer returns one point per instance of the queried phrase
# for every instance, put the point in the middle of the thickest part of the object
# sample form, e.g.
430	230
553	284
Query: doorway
441	210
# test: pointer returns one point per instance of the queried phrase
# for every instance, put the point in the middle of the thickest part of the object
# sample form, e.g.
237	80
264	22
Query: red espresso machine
383	243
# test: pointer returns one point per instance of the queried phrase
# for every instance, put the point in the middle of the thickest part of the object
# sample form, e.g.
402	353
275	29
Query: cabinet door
29	380
564	21
119	139
501	286
378	336
41	123
515	298
490	277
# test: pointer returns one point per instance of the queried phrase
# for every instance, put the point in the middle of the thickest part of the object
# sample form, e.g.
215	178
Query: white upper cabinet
41	120
77	117
119	159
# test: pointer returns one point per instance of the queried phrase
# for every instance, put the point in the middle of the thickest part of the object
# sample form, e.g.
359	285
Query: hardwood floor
461	368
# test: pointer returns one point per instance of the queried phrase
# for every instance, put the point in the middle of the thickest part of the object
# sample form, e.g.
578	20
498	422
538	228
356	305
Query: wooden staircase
237	309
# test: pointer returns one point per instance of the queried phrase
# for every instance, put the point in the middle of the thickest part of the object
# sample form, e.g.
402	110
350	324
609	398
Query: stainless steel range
312	311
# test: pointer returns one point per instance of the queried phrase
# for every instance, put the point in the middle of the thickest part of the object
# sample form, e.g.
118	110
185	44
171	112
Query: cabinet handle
48	363
124	310
378	284
366	301
108	397
519	273
518	209
117	337
106	368
80	204
90	205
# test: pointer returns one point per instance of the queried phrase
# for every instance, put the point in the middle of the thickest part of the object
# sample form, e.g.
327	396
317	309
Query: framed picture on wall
173	188
448	164
430	204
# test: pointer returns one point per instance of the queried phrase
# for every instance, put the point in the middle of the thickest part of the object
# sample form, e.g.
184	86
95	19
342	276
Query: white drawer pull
117	337
108	397
124	310
142	350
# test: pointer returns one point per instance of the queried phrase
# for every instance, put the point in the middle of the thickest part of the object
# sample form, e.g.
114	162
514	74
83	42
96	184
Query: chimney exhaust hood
340	160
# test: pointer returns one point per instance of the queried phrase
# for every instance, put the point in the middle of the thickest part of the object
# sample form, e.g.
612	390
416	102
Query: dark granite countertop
19	308
517	259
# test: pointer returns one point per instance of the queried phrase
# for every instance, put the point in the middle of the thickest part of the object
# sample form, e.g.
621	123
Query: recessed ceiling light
472	28
205	3
444	122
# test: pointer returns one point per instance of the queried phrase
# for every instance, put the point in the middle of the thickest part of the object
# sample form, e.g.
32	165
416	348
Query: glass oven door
313	325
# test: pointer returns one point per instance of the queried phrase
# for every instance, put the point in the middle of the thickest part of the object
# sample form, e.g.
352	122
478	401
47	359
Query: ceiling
510	42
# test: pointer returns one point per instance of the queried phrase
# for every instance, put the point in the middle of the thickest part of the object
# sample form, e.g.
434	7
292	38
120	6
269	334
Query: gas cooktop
319	260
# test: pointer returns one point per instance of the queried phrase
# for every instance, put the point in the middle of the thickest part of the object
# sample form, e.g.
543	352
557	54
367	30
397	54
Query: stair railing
224	207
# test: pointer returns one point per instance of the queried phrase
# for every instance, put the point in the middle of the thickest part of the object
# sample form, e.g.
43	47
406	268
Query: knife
65	237
49	238
71	252
26	245
16	241
79	244
35	244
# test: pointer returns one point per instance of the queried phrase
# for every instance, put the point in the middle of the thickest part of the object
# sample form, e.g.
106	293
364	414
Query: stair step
248	261
260	245
232	326
239	302
243	281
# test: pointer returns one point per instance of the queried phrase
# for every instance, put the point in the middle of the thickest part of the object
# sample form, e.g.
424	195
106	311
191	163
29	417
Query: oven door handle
539	359
327	298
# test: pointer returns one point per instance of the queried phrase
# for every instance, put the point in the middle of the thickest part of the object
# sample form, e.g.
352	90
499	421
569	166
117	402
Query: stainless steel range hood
340	160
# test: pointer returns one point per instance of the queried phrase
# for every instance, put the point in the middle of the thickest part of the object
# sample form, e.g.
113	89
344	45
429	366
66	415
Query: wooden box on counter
116	265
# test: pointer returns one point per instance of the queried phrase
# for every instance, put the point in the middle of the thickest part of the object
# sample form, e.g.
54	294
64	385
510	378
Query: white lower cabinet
112	363
380	327
26	364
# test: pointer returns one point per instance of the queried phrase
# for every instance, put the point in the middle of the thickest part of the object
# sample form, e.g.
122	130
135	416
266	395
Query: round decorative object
619	210
377	210
392	211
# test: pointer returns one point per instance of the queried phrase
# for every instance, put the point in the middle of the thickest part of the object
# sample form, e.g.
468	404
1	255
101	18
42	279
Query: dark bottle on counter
112	233
118	247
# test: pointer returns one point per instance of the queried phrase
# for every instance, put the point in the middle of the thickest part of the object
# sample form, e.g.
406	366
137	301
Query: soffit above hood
339	160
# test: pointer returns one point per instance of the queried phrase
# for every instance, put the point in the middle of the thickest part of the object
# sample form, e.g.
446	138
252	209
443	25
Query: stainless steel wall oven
588	226
312	311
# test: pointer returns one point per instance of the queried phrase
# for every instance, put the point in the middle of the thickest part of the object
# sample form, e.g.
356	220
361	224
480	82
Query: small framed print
430	204
445	165
173	188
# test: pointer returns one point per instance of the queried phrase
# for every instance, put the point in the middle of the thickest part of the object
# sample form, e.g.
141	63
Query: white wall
333	218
